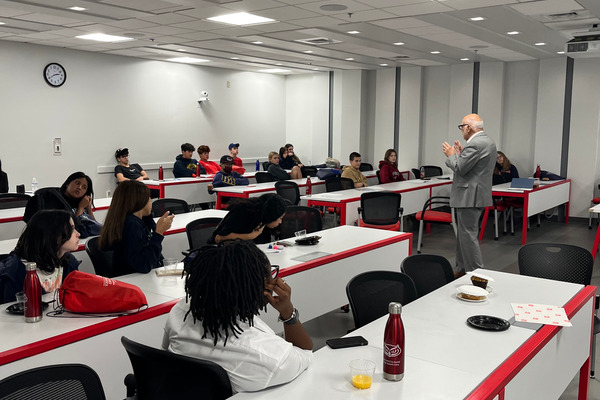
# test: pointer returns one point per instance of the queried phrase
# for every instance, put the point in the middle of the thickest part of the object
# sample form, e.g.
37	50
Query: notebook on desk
522	183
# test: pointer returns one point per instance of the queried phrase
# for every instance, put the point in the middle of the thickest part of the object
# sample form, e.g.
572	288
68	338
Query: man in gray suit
473	167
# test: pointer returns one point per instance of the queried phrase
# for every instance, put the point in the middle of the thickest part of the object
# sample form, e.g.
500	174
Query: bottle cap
29	266
395	308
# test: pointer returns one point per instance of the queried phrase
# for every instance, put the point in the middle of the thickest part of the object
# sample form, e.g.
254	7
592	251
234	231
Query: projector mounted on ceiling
586	45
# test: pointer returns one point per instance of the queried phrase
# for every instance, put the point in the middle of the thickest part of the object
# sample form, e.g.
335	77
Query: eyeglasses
462	126
274	271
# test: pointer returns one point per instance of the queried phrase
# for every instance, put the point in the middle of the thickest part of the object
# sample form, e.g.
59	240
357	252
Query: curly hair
224	286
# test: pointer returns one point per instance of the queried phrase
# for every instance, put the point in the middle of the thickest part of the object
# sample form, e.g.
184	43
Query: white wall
110	101
410	117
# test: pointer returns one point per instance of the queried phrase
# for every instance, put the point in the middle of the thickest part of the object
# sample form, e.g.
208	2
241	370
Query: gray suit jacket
473	169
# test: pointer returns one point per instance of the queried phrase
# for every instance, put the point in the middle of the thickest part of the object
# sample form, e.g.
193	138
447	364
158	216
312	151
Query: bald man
473	167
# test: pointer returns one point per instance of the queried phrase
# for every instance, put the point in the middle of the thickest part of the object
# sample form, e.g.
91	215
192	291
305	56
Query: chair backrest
416	172
265	165
365	167
263	177
175	206
497	179
380	208
370	294
13	200
428	272
436	202
299	218
309	171
160	374
560	262
101	260
338	183
378	177
289	191
432	170
63	381
200	230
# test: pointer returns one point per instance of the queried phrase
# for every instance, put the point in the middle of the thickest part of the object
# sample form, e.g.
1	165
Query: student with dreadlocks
226	287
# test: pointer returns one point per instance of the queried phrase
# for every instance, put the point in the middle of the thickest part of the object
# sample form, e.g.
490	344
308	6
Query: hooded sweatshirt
353	173
388	173
185	167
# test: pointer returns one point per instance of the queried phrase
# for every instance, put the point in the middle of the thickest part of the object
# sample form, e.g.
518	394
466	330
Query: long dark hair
43	237
225	285
272	207
71	178
129	197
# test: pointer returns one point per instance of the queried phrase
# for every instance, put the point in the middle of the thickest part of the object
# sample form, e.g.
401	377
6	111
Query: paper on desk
540	314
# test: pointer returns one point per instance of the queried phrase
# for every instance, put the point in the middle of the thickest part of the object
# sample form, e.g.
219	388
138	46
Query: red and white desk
596	209
549	194
446	359
96	341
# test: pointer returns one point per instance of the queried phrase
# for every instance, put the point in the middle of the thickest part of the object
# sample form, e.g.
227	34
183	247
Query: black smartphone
350	341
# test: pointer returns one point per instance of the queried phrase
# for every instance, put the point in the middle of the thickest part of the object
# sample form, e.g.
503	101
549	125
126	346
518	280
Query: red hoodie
388	173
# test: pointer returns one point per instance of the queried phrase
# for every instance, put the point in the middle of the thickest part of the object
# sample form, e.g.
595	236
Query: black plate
488	323
309	240
15	310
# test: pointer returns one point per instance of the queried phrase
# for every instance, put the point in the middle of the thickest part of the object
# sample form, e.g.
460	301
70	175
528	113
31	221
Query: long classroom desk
549	194
318	286
596	209
447	359
414	194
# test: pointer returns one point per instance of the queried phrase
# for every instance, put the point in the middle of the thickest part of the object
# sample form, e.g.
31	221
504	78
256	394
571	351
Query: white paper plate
472	290
459	296
482	276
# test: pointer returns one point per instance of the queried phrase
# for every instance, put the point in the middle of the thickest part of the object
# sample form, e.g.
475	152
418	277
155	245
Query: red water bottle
160	173
422	173
33	293
198	170
538	172
308	186
393	345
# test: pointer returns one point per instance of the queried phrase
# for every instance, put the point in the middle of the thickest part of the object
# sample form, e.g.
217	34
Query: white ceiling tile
46	19
42	36
167	19
165	30
318	21
144	5
252	6
353	6
98	28
391	3
11	12
235	31
423	62
361	16
546	7
275	27
200	36
401	23
131	24
467	4
426	30
288	13
418	9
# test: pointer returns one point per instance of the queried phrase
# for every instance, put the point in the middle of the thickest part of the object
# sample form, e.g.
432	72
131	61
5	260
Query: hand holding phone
350	341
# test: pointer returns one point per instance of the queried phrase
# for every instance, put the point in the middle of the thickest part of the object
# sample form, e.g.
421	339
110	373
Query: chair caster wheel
345	308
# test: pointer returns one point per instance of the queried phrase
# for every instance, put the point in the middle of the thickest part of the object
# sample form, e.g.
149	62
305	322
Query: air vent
401	57
318	41
563	16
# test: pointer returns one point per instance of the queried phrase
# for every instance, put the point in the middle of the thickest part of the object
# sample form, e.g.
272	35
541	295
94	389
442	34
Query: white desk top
9	214
505	187
185	181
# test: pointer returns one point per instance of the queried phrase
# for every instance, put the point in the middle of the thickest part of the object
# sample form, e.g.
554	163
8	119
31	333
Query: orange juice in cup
362	372
362	381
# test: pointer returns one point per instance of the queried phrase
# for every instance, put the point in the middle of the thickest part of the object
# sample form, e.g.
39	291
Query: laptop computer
522	183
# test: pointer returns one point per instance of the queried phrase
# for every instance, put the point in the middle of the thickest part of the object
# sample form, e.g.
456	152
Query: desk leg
584	378
486	214
525	220
162	192
219	200
343	214
596	242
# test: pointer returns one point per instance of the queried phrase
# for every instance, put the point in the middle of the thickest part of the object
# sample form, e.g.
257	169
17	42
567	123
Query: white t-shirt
255	360
50	281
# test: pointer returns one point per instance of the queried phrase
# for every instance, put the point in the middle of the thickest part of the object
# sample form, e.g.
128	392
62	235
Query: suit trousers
468	253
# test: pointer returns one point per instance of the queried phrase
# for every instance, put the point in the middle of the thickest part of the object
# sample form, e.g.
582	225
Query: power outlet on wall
57	146
108	193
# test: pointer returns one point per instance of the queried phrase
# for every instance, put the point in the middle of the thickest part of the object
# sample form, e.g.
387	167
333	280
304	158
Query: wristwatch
291	320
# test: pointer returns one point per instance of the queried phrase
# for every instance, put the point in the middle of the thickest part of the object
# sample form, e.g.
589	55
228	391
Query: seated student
3	180
185	165
47	240
388	167
130	231
254	219
278	173
287	157
504	168
210	167
212	324
352	171
78	191
237	162
124	171
226	176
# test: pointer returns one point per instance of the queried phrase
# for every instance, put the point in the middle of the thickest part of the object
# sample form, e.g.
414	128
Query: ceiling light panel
241	18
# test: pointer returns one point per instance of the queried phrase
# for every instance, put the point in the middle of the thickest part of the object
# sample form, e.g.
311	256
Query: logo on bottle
391	351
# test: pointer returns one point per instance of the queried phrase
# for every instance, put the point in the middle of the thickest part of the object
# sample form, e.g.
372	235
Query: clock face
55	75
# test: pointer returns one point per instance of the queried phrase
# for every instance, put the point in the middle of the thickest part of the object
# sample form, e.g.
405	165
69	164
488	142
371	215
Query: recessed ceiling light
316	69
560	52
235	58
383	65
333	7
256	42
77	8
308	51
513	33
188	60
101	37
2	23
349	59
353	32
275	70
464	59
181	50
477	18
399	44
279	64
435	52
241	18
540	44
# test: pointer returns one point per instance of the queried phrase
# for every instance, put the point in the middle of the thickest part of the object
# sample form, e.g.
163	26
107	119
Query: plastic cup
170	264
361	373
20	296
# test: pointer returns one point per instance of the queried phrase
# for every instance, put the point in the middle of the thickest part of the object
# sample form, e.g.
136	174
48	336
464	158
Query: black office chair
265	165
561	262
102	261
432	214
428	272
62	381
432	170
308	171
175	206
338	183
370	294
289	191
200	230
159	374
299	218
13	200
262	177
365	167
380	210
378	177
416	172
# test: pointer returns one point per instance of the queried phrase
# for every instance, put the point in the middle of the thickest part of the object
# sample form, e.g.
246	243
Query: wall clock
55	74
